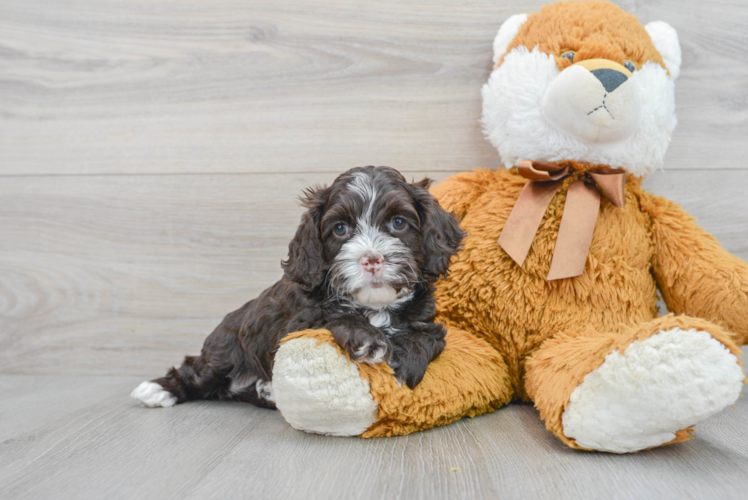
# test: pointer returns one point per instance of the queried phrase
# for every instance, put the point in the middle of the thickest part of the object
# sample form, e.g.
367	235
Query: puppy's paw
265	390
153	395
408	373
372	351
363	342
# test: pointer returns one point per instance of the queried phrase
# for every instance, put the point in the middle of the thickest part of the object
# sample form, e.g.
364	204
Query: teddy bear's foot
640	397
318	390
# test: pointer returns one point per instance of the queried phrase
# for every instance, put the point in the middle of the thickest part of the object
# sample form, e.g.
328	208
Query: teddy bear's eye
569	54
629	65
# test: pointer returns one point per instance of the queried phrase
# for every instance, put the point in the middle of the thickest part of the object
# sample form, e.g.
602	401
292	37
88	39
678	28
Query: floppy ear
306	256
665	40
506	34
441	233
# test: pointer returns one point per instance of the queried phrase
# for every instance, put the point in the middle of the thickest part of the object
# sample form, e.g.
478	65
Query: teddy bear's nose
610	78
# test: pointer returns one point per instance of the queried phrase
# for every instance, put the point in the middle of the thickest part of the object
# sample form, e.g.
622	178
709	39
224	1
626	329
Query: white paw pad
153	395
639	398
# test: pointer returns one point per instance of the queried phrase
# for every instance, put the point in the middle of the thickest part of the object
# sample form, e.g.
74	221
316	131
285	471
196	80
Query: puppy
362	264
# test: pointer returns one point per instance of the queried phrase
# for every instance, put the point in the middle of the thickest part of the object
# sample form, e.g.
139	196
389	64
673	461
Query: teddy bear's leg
318	389
644	387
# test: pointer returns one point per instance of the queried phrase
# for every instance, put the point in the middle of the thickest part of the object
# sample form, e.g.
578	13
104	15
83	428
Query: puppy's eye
630	66
569	54
341	229
398	223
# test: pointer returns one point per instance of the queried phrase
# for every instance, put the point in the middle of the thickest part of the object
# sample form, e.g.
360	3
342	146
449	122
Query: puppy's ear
441	233
306	259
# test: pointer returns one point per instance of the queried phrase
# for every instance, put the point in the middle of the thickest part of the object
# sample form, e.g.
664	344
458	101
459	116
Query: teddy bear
553	297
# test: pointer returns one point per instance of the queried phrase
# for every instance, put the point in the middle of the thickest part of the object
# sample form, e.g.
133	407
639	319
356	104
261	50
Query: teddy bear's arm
696	276
455	194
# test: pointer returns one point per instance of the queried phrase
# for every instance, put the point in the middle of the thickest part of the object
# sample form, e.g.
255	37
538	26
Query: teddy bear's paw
318	390
639	398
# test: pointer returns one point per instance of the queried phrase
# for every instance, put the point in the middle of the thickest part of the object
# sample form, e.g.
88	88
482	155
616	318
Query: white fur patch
368	296
362	186
317	390
514	123
665	40
506	34
376	357
265	390
638	399
153	395
390	331
380	319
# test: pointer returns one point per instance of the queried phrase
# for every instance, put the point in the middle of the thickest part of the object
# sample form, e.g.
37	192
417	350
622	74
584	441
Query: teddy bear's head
582	81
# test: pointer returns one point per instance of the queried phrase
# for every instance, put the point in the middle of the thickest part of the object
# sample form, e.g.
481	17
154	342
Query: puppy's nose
372	262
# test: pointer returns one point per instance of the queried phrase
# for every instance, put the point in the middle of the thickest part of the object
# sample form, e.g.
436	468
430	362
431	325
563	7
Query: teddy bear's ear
506	34
665	40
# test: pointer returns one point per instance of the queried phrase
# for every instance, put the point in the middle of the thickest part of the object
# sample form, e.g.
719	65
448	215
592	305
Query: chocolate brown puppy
362	264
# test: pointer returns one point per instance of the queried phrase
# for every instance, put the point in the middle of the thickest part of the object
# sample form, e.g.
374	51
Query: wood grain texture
89	86
100	444
150	156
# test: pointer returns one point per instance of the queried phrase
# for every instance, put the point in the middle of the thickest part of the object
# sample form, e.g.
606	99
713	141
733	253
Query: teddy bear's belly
515	309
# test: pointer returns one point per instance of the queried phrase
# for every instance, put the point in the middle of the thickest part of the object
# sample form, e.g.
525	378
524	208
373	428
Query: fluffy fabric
515	116
640	398
544	337
590	29
514	122
556	370
320	393
665	38
604	371
506	34
341	406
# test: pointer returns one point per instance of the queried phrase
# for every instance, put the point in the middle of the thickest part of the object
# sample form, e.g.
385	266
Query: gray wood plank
91	441
125	271
127	274
265	86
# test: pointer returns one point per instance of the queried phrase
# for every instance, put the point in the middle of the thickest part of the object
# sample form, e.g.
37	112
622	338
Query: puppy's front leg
414	349
363	342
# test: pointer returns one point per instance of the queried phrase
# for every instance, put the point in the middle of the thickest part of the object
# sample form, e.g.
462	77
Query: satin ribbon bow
577	222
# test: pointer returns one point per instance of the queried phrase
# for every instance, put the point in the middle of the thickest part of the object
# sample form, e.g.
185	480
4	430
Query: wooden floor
151	154
73	437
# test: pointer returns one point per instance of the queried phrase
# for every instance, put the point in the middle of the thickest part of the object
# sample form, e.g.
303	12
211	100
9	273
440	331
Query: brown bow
577	222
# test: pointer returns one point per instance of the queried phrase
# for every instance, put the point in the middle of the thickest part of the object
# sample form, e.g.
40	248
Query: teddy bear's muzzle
595	101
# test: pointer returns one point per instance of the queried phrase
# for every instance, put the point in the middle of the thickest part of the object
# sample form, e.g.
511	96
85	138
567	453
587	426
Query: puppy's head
371	236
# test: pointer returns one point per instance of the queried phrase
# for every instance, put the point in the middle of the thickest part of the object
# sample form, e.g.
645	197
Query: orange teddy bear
553	298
